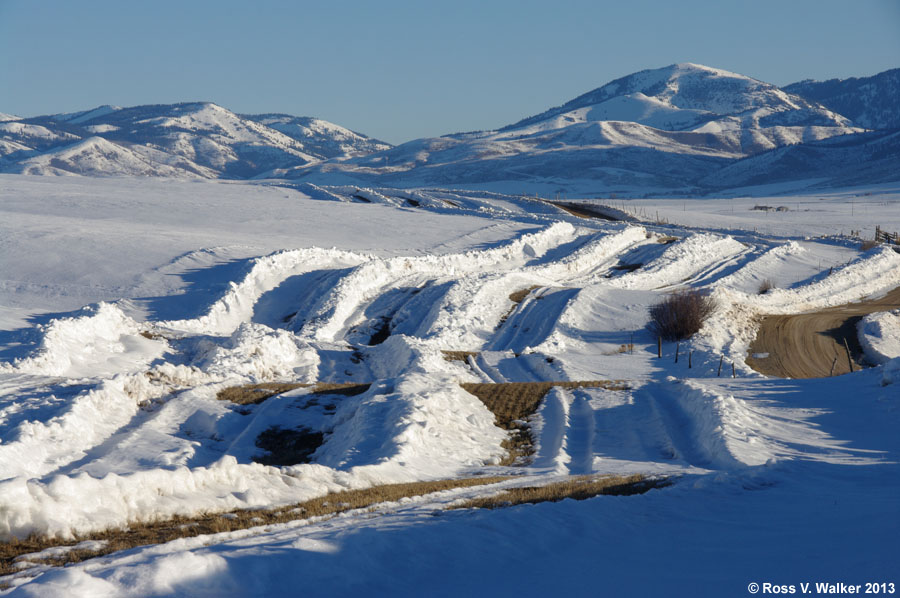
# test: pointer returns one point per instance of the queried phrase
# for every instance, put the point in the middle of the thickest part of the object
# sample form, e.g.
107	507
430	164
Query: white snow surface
126	305
879	335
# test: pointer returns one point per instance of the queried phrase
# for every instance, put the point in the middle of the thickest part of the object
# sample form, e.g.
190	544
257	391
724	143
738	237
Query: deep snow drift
128	305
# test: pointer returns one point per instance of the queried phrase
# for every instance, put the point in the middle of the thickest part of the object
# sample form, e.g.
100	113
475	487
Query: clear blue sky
403	69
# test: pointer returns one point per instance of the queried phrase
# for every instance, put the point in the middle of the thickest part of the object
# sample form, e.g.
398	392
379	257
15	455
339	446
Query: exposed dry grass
519	296
459	355
666	239
516	297
578	488
513	403
253	394
765	286
157	532
623	348
681	314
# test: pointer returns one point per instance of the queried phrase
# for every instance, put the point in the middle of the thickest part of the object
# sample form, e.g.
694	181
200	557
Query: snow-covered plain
127	304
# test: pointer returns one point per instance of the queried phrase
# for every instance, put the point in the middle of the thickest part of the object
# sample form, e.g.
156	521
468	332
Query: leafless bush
765	286
681	314
869	244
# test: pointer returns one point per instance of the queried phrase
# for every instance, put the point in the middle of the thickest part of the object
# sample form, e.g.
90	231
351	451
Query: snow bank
681	261
752	275
879	335
401	354
267	272
64	505
596	253
38	447
103	340
469	312
730	431
261	353
419	426
365	280
877	271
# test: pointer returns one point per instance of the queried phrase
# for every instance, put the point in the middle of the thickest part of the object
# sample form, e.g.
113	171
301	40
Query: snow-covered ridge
191	140
658	130
102	339
675	129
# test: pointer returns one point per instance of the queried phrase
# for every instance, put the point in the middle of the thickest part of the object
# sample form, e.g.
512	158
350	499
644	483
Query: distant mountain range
682	129
870	102
194	140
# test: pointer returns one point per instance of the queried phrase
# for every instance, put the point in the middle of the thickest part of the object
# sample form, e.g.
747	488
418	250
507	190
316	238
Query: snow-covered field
127	304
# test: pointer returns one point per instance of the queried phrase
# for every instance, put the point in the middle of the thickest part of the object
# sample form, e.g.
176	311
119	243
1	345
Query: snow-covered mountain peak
684	96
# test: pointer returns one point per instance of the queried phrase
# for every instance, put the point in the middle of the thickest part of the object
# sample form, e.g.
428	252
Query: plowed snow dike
109	413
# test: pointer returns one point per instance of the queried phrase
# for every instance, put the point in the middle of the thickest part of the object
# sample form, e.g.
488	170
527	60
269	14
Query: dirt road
811	345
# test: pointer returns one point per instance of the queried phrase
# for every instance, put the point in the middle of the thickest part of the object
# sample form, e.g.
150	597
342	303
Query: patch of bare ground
516	297
623	348
253	394
459	355
512	403
577	488
288	446
814	344
17	555
582	210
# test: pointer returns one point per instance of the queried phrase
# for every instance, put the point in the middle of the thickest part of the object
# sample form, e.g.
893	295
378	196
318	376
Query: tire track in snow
534	320
580	434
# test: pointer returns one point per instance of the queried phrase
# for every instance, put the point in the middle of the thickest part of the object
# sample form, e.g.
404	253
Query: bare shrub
869	244
765	286
681	314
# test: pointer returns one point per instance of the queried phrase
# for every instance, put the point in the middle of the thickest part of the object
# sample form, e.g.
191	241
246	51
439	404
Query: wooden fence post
677	346
659	347
719	373
849	359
